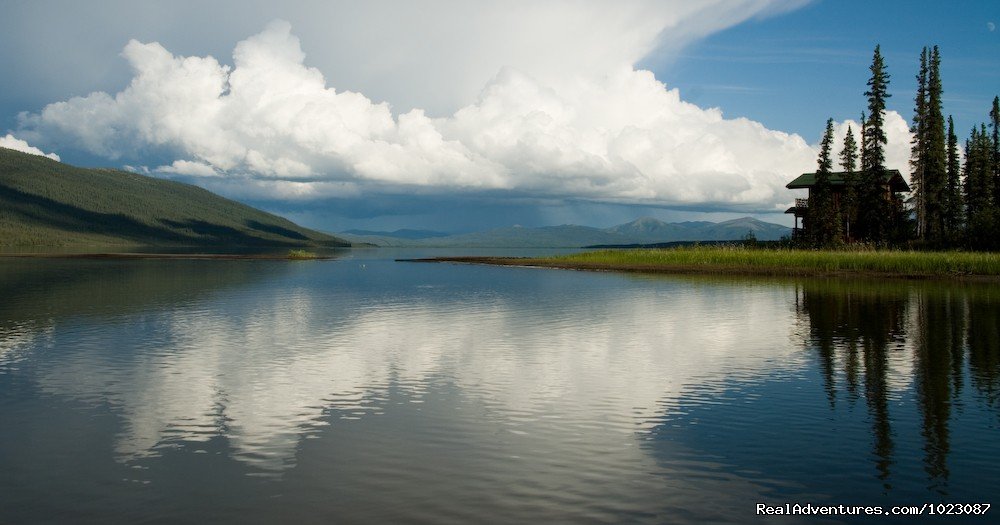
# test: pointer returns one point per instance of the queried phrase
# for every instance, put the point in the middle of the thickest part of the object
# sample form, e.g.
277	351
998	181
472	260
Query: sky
459	116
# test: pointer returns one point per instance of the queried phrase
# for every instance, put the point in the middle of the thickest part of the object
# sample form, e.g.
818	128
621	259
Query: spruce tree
875	138
935	164
973	184
874	209
849	163
980	205
919	143
864	133
995	150
824	219
953	200
849	153
968	184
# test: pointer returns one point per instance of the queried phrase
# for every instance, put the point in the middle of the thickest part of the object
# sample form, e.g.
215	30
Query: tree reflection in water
864	328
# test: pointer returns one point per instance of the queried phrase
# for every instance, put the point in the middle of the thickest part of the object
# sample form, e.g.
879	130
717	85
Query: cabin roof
807	180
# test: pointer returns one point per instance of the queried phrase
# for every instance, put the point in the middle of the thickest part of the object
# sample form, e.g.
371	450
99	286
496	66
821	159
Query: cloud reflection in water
263	370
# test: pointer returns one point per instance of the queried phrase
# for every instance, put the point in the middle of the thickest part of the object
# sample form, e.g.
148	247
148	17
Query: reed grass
738	258
301	255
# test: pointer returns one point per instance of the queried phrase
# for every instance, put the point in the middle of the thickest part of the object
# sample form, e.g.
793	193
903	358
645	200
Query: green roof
808	180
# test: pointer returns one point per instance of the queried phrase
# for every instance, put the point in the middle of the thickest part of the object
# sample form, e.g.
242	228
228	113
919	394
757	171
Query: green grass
738	258
301	255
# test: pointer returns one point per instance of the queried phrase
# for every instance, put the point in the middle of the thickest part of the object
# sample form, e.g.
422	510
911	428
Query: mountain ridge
644	230
403	233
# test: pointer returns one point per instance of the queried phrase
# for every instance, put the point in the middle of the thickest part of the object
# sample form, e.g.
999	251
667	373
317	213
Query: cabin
893	184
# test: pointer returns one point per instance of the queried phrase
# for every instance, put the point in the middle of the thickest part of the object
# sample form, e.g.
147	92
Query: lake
364	390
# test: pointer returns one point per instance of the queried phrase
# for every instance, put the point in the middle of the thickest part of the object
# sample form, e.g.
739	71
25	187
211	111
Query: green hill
47	203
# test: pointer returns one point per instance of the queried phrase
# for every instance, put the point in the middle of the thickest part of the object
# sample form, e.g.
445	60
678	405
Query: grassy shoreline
771	262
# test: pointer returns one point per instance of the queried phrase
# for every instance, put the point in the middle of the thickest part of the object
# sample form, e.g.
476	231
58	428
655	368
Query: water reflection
266	367
984	345
39	294
877	337
853	317
43	290
378	391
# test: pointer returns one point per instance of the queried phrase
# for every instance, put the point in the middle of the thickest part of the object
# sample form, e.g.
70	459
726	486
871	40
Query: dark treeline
952	204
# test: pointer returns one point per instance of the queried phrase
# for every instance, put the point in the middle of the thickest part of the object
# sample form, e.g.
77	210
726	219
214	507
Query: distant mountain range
48	203
646	230
398	234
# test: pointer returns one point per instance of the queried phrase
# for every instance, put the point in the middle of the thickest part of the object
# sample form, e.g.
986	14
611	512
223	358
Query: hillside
641	231
48	203
649	230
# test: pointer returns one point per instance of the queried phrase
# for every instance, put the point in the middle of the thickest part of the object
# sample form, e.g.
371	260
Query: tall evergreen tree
849	163
824	219
980	205
849	153
973	185
935	164
953	201
874	208
864	133
995	124
875	138
919	144
825	160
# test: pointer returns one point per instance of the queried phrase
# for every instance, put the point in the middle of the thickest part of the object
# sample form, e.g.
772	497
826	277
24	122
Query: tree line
952	204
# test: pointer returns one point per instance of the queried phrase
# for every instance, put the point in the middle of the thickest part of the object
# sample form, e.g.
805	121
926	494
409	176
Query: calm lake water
365	390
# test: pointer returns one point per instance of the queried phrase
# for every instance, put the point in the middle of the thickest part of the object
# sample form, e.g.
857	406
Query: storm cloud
552	123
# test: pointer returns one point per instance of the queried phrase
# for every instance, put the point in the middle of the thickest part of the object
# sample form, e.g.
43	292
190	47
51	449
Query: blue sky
456	116
793	71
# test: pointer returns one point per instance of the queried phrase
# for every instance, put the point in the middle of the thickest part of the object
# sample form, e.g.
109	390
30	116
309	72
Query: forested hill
48	203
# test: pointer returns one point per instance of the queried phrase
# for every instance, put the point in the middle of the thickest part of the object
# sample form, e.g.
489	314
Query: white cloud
614	135
431	54
11	142
897	131
339	364
186	167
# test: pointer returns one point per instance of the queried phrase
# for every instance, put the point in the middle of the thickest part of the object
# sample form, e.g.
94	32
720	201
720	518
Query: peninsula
738	259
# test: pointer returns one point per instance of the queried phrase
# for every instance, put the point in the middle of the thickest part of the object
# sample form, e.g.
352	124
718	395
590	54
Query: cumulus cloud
186	167
270	120
11	142
432	54
897	131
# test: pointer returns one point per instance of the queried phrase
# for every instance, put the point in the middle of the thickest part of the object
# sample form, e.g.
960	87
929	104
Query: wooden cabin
893	184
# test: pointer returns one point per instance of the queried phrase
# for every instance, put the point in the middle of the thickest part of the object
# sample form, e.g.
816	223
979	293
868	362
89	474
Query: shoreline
700	269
